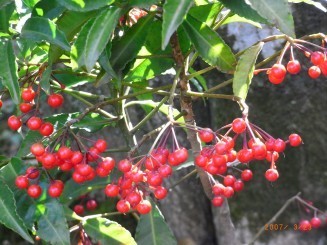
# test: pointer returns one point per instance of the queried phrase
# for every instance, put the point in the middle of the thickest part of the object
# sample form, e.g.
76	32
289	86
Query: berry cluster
256	145
90	205
146	176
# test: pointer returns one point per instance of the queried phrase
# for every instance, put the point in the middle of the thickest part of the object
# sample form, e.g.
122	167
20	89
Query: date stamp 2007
283	227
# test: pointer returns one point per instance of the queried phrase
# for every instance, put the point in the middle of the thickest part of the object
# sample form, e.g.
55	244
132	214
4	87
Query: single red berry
219	160
278	71
229	180
151	164
34	191
275	80
206	135
165	171
295	140
238	185
221	147
160	192
154	179
93	154
138	176
231	156
46	129
78	178
305	226
314	72
228	191
25	107
37	149
218	189
144	207
76	157
66	166
83	169
21	182
111	190
246	175
123	206
28	94
245	155
270	143
55	100
238	125
181	155
101	172
48	160
56	188
271	175
79	209
279	145
64	153
212	169
32	173
217	201
91	204
317	58
315	222
134	198
230	143
259	150
323	68
293	67
108	163
34	123
14	122
101	145
124	165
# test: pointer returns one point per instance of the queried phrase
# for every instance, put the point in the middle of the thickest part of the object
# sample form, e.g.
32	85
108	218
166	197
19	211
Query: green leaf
142	3
173	15
5	14
47	9
8	70
153	230
209	44
316	4
243	9
42	29
237	18
108	232
277	13
200	79
45	79
126	48
244	70
30	3
4	3
71	80
104	61
9	217
77	53
84	5
206	13
52	225
99	35
73	190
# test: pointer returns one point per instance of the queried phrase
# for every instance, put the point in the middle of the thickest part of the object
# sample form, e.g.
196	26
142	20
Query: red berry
101	145
25	107
55	188
279	145
101	172
305	226
317	58
28	94
228	191
221	147
231	156
108	163
259	150
246	175
314	72
123	206
271	175
32	173
78	178
154	179
229	180
93	154
219	160
218	189
34	191
278	71
55	100
323	68
37	149
270	143
83	169
91	204
180	155
48	160
165	171
238	125
46	129
201	161
79	209
34	123
315	222
245	155
144	207
230	143
21	182
272	156
238	185
124	165
14	122
212	169
275	80
133	198
295	140
111	190
160	192
217	201
293	67
206	135
76	157
64	153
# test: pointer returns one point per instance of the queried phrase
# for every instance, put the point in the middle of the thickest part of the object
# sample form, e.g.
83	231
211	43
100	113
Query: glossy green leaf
277	13
8	70
45	79
77	53
5	14
9	217
52	225
4	3
42	29
71	80
199	78
73	190
173	15
243	9
99	35
209	44
126	48
237	18
30	3
316	4
142	3
153	230
244	70
47	9
84	5
206	13
108	232
104	61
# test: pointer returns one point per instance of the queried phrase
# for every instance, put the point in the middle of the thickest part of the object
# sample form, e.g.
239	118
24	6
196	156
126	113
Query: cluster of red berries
257	145
90	205
144	177
276	74
307	225
34	122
